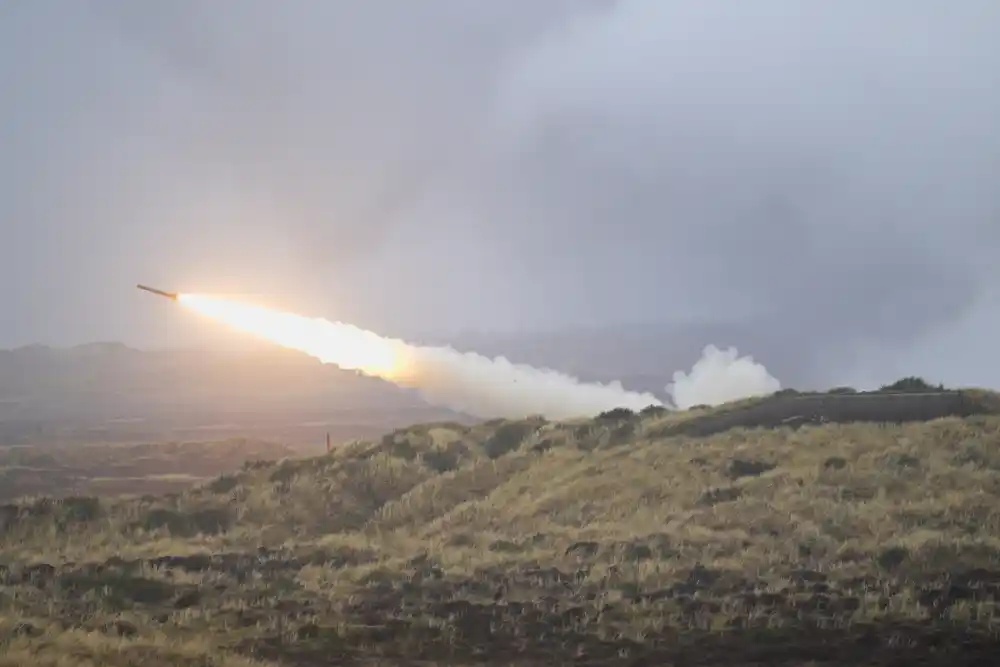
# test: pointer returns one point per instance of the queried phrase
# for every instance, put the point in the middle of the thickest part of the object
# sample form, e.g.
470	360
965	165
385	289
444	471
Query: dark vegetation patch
529	615
907	400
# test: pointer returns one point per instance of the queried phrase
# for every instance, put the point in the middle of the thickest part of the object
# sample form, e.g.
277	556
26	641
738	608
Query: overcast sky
828	168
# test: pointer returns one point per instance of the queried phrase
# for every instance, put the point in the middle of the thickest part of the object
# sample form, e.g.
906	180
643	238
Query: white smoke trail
478	385
721	376
466	382
483	387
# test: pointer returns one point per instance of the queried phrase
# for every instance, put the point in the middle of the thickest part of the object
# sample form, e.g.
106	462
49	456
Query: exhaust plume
721	376
467	382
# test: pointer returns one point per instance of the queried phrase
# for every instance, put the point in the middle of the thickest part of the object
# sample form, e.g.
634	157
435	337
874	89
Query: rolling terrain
615	540
129	469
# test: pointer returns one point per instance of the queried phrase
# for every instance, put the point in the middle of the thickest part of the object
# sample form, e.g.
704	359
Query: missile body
170	295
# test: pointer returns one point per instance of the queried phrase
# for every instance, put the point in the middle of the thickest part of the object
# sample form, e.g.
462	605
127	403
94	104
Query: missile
170	295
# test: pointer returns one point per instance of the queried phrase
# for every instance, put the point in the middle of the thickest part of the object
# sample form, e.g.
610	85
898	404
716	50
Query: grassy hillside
601	541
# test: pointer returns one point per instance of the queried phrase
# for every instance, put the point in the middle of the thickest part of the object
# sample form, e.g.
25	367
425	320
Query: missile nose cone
170	295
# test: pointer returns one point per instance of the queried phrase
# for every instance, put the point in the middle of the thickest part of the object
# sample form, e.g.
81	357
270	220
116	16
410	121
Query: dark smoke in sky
824	176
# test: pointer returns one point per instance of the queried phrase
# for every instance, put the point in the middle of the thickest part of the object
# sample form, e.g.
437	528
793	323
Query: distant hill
108	392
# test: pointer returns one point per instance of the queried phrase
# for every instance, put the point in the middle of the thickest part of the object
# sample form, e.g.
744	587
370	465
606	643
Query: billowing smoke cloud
485	387
721	376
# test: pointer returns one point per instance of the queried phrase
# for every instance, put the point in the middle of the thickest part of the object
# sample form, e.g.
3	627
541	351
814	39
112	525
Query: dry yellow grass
381	549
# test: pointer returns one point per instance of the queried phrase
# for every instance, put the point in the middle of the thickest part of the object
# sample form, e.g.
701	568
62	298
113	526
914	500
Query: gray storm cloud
821	175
